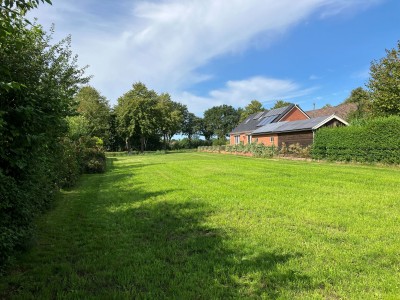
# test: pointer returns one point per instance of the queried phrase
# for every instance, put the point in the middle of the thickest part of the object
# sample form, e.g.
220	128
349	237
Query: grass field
206	226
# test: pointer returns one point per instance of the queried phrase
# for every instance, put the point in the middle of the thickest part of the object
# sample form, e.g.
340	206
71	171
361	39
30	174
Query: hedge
376	140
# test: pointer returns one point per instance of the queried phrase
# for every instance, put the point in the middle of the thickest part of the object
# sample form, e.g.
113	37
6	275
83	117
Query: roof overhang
329	119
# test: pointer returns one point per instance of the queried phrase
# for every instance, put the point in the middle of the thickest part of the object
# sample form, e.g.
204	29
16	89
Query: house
243	132
289	125
293	132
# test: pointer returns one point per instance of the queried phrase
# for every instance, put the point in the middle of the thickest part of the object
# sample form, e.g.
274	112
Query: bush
93	160
220	142
375	140
185	143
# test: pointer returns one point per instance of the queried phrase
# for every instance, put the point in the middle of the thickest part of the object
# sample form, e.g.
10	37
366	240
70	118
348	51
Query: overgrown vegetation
41	151
261	150
205	226
375	140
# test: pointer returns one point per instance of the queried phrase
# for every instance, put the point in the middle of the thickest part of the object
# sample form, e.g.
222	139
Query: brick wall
294	115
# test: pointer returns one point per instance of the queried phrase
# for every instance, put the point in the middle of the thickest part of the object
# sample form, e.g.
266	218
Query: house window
271	139
237	139
249	139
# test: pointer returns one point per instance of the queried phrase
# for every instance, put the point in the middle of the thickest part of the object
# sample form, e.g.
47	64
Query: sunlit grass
202	226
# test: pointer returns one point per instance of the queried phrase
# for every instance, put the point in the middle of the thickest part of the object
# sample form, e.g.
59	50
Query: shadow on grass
111	243
170	251
178	256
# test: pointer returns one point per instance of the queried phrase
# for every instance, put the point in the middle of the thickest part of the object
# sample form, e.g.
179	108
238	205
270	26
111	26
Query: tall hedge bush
376	140
34	160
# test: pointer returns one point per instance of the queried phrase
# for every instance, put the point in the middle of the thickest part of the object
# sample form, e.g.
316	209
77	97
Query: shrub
219	142
375	140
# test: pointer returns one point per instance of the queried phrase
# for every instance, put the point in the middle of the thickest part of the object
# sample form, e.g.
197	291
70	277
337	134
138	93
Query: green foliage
32	125
137	114
220	142
375	140
280	103
261	150
78	126
191	124
360	97
204	129
95	109
171	117
253	107
221	119
384	84
189	144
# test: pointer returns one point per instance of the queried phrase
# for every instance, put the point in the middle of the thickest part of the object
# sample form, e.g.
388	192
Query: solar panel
266	121
258	115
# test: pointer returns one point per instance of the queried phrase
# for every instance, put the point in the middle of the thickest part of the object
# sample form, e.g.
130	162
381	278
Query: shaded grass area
202	226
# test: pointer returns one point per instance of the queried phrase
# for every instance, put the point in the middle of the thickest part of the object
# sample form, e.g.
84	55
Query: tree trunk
127	144
142	144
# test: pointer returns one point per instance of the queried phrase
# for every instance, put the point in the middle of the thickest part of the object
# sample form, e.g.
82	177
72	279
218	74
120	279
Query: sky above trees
206	53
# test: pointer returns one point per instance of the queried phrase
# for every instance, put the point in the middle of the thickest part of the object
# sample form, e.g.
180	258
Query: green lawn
204	226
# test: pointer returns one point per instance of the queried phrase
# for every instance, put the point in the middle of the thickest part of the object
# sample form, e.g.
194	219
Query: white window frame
237	139
249	139
271	139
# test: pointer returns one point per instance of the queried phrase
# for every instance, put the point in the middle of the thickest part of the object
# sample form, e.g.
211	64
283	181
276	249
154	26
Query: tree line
145	120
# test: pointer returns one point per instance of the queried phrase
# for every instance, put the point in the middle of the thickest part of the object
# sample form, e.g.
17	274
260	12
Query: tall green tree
221	119
205	130
253	107
384	84
171	116
96	110
137	114
280	103
191	125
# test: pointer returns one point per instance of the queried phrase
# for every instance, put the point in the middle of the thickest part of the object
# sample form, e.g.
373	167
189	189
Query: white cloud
240	93
164	43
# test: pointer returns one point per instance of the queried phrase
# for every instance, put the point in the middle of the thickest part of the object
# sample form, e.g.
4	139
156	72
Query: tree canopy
96	110
384	83
253	107
280	103
221	119
137	114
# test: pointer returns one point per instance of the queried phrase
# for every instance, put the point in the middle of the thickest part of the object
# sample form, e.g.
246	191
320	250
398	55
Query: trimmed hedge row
376	140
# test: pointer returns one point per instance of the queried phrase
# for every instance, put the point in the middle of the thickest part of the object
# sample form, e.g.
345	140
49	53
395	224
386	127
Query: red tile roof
342	111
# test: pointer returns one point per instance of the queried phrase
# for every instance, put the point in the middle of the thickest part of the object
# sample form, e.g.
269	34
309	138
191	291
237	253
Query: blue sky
210	52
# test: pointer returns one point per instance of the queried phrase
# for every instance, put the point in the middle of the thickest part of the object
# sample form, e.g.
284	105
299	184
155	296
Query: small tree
361	98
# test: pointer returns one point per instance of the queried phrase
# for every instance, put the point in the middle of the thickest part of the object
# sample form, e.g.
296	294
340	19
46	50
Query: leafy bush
185	143
34	163
220	142
375	140
260	150
93	160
